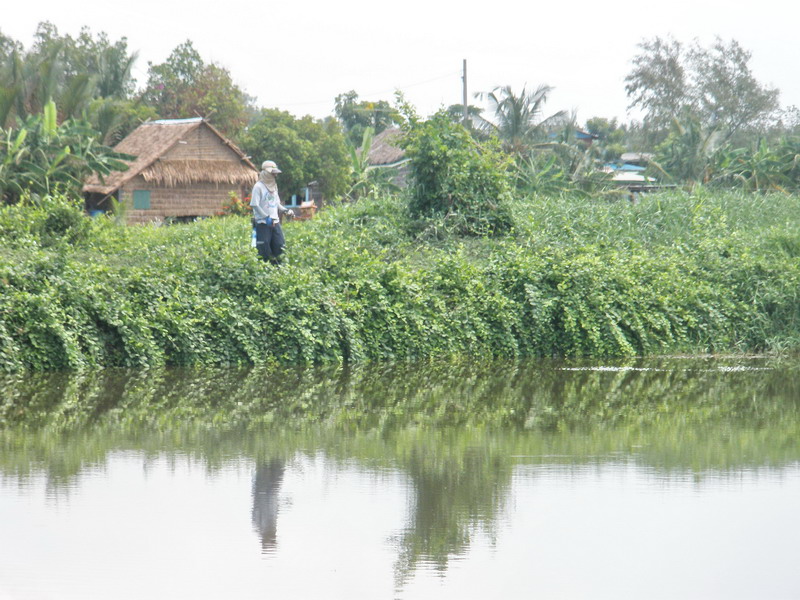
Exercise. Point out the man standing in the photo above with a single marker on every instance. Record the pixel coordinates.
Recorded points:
(267, 207)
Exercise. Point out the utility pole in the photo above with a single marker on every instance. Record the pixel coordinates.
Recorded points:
(466, 111)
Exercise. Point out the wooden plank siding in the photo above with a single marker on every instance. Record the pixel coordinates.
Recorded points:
(201, 199)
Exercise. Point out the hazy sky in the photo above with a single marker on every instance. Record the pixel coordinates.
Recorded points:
(297, 55)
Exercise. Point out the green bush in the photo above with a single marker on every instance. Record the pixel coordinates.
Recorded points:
(456, 181)
(65, 222)
(577, 277)
(46, 221)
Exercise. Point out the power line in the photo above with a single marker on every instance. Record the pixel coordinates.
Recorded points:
(439, 78)
(385, 91)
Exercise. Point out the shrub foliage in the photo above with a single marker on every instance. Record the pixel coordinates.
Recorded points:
(457, 180)
(674, 273)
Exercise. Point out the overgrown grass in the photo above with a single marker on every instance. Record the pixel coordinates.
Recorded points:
(577, 277)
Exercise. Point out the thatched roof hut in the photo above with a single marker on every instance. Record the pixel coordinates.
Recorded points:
(384, 151)
(183, 168)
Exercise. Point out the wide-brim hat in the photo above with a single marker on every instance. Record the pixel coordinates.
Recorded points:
(270, 167)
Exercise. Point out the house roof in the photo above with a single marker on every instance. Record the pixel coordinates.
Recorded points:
(608, 168)
(585, 135)
(384, 150)
(636, 157)
(629, 177)
(152, 140)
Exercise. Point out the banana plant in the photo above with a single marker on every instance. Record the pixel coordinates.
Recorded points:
(13, 151)
(49, 122)
(761, 169)
(44, 156)
(367, 178)
(689, 153)
(8, 99)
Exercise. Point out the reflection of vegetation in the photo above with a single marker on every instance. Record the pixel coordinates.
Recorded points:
(458, 430)
(459, 489)
(543, 396)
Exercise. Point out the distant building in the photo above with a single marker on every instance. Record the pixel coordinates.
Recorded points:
(629, 173)
(636, 158)
(184, 168)
(585, 136)
(385, 153)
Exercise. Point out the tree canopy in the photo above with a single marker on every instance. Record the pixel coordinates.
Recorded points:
(712, 84)
(305, 149)
(356, 116)
(70, 71)
(185, 86)
(517, 119)
(706, 118)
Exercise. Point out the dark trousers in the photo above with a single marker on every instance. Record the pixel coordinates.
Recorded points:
(269, 242)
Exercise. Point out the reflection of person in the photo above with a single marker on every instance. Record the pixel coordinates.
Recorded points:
(266, 486)
(267, 207)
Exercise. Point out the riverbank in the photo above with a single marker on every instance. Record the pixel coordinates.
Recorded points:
(702, 273)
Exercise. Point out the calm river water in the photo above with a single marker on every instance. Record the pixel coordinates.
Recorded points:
(669, 478)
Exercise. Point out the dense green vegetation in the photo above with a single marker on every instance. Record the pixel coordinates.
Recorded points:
(457, 183)
(307, 150)
(89, 79)
(677, 272)
(707, 120)
(42, 157)
(358, 116)
(508, 241)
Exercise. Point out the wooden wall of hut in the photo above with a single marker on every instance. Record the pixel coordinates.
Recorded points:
(199, 199)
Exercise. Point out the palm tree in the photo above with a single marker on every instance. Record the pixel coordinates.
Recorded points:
(29, 83)
(517, 119)
(114, 78)
(689, 152)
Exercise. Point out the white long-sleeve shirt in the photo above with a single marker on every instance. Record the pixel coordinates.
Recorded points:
(266, 204)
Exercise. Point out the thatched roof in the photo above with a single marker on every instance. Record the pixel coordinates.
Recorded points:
(384, 151)
(171, 173)
(152, 140)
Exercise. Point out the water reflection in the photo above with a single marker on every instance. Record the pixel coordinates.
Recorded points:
(460, 434)
(266, 489)
(456, 496)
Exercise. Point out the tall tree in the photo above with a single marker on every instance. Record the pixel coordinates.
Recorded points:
(658, 83)
(357, 115)
(170, 84)
(108, 63)
(714, 85)
(517, 119)
(305, 149)
(7, 47)
(185, 86)
(611, 137)
(725, 92)
(70, 71)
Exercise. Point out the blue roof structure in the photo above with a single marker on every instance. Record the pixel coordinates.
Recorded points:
(624, 167)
